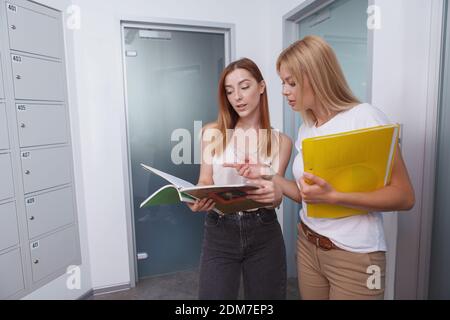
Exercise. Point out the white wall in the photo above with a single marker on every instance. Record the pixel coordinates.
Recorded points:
(57, 289)
(97, 109)
(101, 107)
(388, 94)
(400, 87)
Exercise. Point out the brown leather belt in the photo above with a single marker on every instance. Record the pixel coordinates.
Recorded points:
(318, 240)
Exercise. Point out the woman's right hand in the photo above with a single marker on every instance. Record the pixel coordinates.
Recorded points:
(251, 171)
(205, 204)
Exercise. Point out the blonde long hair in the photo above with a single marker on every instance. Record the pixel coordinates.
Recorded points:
(314, 58)
(228, 118)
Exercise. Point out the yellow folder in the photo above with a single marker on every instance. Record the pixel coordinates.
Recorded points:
(354, 161)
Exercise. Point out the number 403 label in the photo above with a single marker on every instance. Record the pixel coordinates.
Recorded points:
(12, 8)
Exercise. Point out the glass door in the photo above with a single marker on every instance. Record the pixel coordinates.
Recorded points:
(440, 250)
(343, 24)
(172, 79)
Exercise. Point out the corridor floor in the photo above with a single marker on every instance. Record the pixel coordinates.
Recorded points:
(176, 286)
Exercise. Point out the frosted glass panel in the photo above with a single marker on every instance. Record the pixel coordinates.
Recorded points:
(171, 82)
(343, 25)
(440, 253)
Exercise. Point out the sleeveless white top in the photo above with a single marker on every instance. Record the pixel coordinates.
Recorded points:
(224, 176)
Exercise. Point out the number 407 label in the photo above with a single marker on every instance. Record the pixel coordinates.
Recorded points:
(26, 155)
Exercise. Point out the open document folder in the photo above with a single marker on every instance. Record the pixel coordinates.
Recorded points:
(354, 161)
(228, 198)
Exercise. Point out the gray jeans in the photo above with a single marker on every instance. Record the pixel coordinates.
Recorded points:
(248, 244)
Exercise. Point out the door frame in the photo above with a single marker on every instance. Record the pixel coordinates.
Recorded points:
(228, 30)
(290, 34)
(439, 16)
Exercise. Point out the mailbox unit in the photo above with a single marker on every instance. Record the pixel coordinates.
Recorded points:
(39, 235)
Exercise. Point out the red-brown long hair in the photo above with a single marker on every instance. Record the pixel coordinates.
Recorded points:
(228, 118)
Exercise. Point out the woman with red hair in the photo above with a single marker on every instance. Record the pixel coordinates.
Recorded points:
(246, 244)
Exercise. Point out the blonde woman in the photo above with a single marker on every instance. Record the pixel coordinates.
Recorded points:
(335, 256)
(244, 244)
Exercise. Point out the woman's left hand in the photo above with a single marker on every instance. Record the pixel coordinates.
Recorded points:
(268, 192)
(316, 190)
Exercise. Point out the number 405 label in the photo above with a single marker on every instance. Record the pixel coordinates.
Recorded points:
(34, 245)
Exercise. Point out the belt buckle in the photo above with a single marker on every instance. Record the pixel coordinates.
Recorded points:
(317, 239)
(326, 248)
(318, 242)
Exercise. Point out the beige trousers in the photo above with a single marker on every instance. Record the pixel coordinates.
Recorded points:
(339, 274)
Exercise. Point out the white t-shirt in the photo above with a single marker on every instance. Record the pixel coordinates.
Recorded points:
(362, 233)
